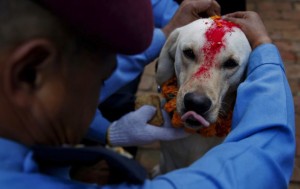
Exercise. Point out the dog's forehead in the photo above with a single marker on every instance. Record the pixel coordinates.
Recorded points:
(214, 40)
(195, 32)
(207, 30)
(193, 35)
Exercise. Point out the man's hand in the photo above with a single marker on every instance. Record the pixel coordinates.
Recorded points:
(191, 10)
(132, 129)
(252, 26)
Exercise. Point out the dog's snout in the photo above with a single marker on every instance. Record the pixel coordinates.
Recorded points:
(197, 102)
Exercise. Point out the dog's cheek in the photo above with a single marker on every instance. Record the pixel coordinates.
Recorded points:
(177, 67)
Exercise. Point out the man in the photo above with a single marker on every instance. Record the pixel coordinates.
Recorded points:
(53, 59)
(44, 101)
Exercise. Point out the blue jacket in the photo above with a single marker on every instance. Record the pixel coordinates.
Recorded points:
(130, 67)
(258, 152)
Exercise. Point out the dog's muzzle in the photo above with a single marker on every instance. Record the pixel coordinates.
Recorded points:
(196, 107)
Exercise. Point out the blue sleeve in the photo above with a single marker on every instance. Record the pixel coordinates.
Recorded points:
(259, 151)
(130, 67)
(98, 128)
(163, 11)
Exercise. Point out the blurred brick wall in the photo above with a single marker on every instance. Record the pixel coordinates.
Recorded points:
(282, 19)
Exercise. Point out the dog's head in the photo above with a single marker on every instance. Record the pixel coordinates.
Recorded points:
(209, 59)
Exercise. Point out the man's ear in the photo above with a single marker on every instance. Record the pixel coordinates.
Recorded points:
(24, 67)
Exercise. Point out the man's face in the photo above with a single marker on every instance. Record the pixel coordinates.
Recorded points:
(71, 99)
(85, 81)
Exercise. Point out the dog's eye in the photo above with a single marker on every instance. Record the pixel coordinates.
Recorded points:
(189, 54)
(230, 64)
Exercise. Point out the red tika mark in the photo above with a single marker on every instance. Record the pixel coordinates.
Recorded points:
(214, 37)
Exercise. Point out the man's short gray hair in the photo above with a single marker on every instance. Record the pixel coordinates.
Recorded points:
(22, 20)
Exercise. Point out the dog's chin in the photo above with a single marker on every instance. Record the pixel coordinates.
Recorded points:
(192, 125)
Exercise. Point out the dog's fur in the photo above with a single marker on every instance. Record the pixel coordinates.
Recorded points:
(210, 94)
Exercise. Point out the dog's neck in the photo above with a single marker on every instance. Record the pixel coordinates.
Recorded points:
(229, 101)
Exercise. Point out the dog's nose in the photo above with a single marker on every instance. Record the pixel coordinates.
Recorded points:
(197, 103)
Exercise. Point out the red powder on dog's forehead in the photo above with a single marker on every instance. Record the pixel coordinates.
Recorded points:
(214, 43)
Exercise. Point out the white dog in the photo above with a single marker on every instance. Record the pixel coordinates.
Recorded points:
(209, 58)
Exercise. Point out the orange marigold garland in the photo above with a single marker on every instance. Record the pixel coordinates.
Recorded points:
(169, 91)
(176, 120)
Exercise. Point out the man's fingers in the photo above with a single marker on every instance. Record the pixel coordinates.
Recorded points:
(233, 19)
(167, 119)
(215, 9)
(197, 7)
(237, 20)
(201, 6)
(239, 14)
(166, 133)
(146, 112)
(210, 8)
(174, 133)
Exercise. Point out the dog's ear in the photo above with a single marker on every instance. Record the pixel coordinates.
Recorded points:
(165, 68)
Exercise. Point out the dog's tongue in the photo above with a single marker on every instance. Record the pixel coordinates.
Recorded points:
(195, 116)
